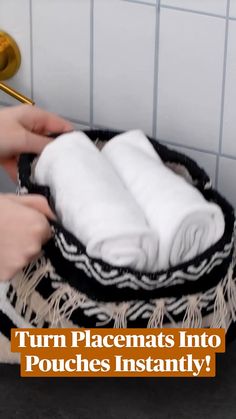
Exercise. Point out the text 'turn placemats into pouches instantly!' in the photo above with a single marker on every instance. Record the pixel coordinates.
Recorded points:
(66, 287)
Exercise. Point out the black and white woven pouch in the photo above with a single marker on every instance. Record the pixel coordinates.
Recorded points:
(67, 288)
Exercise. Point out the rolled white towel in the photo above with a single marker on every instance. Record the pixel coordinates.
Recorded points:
(93, 204)
(185, 222)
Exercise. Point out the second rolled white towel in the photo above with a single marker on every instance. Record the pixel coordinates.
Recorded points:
(93, 204)
(185, 222)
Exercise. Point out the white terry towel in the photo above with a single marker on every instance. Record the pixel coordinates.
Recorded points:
(185, 222)
(93, 204)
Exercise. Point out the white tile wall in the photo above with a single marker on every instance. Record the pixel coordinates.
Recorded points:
(61, 56)
(124, 40)
(131, 63)
(227, 176)
(190, 78)
(229, 127)
(232, 11)
(208, 6)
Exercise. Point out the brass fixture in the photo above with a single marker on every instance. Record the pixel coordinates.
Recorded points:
(10, 57)
(10, 60)
(18, 96)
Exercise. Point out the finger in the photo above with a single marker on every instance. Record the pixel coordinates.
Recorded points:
(46, 232)
(34, 143)
(37, 202)
(41, 121)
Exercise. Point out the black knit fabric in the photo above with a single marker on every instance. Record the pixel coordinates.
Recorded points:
(96, 294)
(110, 290)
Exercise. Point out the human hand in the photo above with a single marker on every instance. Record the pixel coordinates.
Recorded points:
(24, 129)
(24, 228)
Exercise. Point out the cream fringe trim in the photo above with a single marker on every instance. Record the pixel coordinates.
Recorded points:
(65, 299)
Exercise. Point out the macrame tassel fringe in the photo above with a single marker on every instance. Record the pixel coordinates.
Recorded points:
(230, 285)
(60, 305)
(157, 317)
(27, 280)
(231, 293)
(193, 315)
(65, 300)
(220, 309)
(119, 315)
(116, 312)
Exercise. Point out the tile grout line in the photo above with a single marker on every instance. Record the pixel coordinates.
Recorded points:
(183, 9)
(189, 147)
(142, 2)
(99, 126)
(165, 142)
(197, 12)
(76, 121)
(209, 152)
(91, 61)
(223, 94)
(178, 8)
(156, 67)
(31, 49)
(155, 99)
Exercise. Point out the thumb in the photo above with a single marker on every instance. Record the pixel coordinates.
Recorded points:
(37, 202)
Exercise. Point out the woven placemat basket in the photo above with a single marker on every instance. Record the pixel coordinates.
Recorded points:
(64, 287)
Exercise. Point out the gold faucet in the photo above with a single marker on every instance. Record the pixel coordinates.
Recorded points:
(10, 60)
